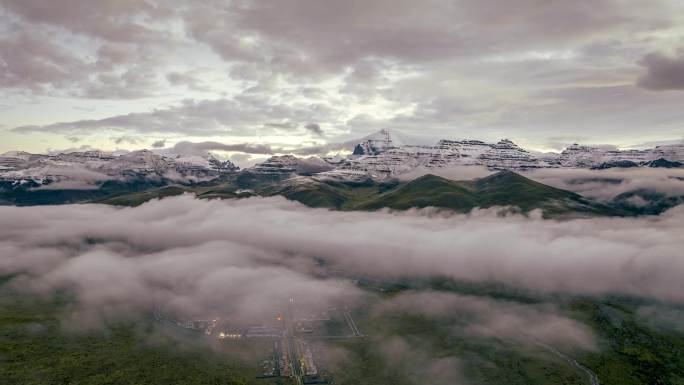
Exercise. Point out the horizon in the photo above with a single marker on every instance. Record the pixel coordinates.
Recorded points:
(337, 148)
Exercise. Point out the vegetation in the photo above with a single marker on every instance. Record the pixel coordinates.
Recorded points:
(633, 349)
(428, 190)
(32, 195)
(504, 188)
(37, 349)
(138, 198)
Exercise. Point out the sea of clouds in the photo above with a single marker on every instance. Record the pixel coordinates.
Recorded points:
(247, 257)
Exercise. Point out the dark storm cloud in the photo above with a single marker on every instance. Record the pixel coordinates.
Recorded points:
(314, 128)
(663, 73)
(203, 147)
(159, 143)
(190, 79)
(126, 139)
(287, 126)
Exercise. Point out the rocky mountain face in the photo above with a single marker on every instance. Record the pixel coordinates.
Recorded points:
(379, 155)
(92, 167)
(289, 164)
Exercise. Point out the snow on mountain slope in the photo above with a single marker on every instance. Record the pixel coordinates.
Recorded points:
(381, 155)
(91, 167)
(377, 156)
(376, 143)
(669, 152)
(288, 164)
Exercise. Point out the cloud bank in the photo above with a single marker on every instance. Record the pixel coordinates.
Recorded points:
(469, 316)
(605, 185)
(185, 251)
(243, 259)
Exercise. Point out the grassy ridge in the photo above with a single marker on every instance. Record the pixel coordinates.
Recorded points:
(428, 190)
(33, 196)
(504, 188)
(138, 198)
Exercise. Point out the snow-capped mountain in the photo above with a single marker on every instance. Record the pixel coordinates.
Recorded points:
(377, 156)
(380, 155)
(376, 143)
(91, 167)
(289, 164)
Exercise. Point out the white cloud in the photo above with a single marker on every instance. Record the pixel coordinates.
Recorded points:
(184, 248)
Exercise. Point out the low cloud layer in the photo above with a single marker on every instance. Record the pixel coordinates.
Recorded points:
(605, 185)
(195, 254)
(242, 260)
(453, 173)
(469, 316)
(202, 148)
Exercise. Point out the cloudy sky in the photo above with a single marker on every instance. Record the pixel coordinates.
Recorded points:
(130, 74)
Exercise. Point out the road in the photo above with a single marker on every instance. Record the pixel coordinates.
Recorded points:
(352, 325)
(291, 345)
(593, 378)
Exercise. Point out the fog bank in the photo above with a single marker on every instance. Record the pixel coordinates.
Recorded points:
(247, 257)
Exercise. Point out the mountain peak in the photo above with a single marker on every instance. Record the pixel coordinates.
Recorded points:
(376, 143)
(507, 143)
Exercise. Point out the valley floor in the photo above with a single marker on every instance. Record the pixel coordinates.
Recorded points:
(39, 344)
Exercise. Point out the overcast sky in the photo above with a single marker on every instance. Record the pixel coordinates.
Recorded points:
(130, 74)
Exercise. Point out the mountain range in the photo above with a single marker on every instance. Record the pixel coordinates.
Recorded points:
(365, 179)
(380, 154)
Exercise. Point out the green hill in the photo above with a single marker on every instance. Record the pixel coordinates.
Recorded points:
(36, 195)
(309, 192)
(504, 188)
(138, 198)
(507, 188)
(329, 194)
(428, 190)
